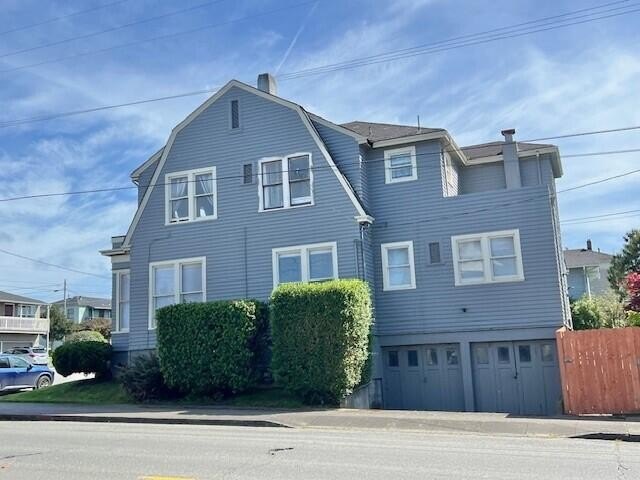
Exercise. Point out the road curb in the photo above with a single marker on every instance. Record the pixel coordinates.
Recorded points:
(143, 420)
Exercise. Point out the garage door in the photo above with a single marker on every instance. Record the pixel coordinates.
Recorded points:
(516, 377)
(425, 377)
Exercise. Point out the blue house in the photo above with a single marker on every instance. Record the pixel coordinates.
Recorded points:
(461, 245)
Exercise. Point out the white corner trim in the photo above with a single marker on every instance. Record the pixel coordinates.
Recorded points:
(303, 251)
(193, 115)
(177, 281)
(484, 238)
(388, 154)
(386, 284)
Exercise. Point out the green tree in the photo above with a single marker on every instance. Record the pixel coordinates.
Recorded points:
(603, 311)
(625, 262)
(60, 326)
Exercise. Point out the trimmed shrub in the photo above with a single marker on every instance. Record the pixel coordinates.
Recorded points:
(214, 348)
(85, 336)
(320, 337)
(602, 311)
(100, 325)
(83, 357)
(143, 380)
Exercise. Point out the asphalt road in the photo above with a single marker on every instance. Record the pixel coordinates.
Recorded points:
(100, 451)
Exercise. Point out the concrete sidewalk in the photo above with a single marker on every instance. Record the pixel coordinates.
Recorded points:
(385, 420)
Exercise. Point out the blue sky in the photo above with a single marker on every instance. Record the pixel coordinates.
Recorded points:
(580, 78)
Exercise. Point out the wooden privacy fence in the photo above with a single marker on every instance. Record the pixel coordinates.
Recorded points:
(600, 370)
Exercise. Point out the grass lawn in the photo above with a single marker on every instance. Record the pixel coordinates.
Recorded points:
(82, 391)
(96, 392)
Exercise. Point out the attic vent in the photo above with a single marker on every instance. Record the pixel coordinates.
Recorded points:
(235, 114)
(247, 173)
(434, 253)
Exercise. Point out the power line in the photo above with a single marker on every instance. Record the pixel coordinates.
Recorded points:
(55, 19)
(601, 220)
(255, 175)
(153, 39)
(112, 29)
(600, 216)
(436, 47)
(35, 260)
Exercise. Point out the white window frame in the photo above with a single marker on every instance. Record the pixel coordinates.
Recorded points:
(386, 284)
(116, 315)
(411, 150)
(484, 239)
(286, 194)
(191, 195)
(177, 282)
(304, 251)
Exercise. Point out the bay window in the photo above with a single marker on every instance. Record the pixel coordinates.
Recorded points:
(305, 263)
(487, 257)
(176, 281)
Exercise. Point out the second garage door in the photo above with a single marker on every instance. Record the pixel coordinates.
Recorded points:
(425, 377)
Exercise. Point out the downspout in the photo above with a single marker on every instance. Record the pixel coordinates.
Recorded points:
(363, 260)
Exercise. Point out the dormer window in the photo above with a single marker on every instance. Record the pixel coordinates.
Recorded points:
(234, 114)
(191, 196)
(400, 165)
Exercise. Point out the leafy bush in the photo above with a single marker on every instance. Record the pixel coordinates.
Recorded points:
(632, 283)
(143, 380)
(83, 357)
(603, 311)
(633, 319)
(212, 348)
(320, 338)
(100, 325)
(86, 336)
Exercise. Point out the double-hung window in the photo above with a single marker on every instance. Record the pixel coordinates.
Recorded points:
(285, 182)
(123, 281)
(191, 195)
(176, 281)
(487, 257)
(305, 263)
(400, 165)
(398, 271)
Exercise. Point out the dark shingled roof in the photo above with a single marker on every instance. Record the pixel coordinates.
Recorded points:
(93, 302)
(11, 298)
(495, 148)
(376, 132)
(582, 257)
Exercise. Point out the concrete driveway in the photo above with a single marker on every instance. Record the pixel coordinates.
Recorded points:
(59, 379)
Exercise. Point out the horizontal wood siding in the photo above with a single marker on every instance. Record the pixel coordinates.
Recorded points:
(238, 244)
(482, 178)
(418, 211)
(145, 179)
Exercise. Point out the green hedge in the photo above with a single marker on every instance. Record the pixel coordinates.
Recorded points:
(212, 348)
(320, 337)
(83, 357)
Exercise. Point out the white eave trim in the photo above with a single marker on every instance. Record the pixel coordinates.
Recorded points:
(556, 164)
(135, 175)
(410, 139)
(112, 252)
(193, 115)
(359, 138)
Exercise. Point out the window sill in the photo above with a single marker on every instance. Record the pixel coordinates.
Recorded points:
(280, 209)
(489, 282)
(401, 180)
(187, 222)
(393, 289)
(119, 332)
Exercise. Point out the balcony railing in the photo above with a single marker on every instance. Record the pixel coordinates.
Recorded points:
(23, 325)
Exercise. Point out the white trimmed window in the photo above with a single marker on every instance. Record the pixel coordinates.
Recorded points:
(123, 288)
(487, 257)
(191, 196)
(398, 270)
(400, 165)
(176, 281)
(285, 182)
(305, 263)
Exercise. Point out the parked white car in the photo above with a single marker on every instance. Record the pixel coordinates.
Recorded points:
(34, 355)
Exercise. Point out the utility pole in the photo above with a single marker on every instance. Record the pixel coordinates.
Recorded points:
(65, 297)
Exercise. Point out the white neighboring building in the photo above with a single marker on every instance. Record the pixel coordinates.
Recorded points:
(587, 271)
